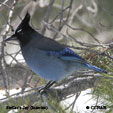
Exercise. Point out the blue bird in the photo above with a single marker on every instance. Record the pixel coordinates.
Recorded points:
(46, 57)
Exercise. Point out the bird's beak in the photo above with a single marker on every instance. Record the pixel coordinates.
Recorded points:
(13, 37)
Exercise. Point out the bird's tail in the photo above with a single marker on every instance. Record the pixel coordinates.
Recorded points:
(96, 68)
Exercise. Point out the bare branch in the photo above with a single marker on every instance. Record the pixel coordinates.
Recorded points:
(81, 29)
(62, 91)
(2, 60)
(47, 15)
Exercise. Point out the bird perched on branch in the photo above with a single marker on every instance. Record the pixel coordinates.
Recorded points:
(46, 57)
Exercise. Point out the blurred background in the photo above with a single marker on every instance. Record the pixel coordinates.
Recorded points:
(84, 25)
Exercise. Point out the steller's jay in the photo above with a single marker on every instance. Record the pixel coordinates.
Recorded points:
(46, 57)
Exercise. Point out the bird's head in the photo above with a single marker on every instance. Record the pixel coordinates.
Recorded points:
(22, 32)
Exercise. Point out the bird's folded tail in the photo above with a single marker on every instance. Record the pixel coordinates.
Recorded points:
(96, 68)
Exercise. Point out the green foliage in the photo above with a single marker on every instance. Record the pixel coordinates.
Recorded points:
(51, 103)
(104, 90)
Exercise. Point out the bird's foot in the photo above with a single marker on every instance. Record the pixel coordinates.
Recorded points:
(44, 89)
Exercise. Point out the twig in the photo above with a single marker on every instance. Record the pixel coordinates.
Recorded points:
(76, 85)
(74, 13)
(25, 81)
(83, 43)
(13, 58)
(93, 51)
(3, 3)
(51, 27)
(76, 97)
(94, 9)
(64, 22)
(86, 32)
(47, 14)
(3, 64)
(59, 14)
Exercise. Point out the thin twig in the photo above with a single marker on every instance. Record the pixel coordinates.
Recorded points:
(92, 51)
(3, 64)
(25, 81)
(64, 22)
(3, 3)
(46, 19)
(81, 29)
(76, 97)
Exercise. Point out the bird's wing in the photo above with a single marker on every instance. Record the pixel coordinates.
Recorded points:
(61, 51)
(67, 54)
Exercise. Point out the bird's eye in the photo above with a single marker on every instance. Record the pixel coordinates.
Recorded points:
(20, 30)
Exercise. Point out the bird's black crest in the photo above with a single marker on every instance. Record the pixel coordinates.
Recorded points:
(24, 23)
(26, 19)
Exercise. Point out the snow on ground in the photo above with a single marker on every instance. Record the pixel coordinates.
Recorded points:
(84, 99)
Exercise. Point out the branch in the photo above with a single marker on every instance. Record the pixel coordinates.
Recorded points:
(47, 15)
(67, 87)
(2, 60)
(81, 29)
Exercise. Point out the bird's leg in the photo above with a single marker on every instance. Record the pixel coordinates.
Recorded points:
(49, 84)
(46, 87)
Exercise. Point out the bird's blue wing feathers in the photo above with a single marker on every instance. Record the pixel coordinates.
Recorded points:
(67, 54)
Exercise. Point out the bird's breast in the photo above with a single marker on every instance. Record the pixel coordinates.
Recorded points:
(45, 65)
